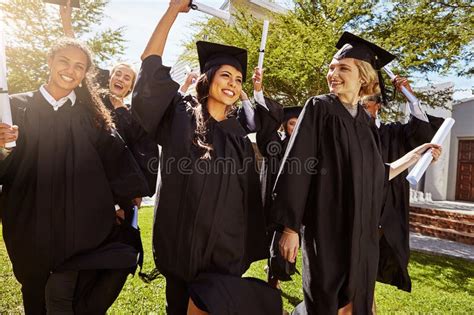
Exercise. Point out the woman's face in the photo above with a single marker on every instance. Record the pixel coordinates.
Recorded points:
(226, 85)
(121, 81)
(68, 68)
(343, 77)
(290, 125)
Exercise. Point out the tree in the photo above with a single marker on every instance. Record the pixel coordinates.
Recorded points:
(33, 27)
(425, 35)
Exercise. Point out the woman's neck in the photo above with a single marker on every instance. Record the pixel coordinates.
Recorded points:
(56, 92)
(216, 110)
(349, 100)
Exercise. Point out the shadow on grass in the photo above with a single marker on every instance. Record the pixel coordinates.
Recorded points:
(451, 275)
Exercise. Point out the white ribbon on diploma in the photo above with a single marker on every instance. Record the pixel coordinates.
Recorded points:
(263, 44)
(422, 165)
(5, 110)
(195, 5)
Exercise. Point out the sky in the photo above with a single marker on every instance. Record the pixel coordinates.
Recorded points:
(139, 17)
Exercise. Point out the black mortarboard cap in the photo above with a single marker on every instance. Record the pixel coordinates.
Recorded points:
(292, 112)
(352, 46)
(212, 54)
(74, 3)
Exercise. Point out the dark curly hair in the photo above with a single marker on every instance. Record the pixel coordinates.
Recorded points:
(88, 91)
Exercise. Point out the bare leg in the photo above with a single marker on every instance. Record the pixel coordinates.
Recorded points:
(194, 310)
(346, 310)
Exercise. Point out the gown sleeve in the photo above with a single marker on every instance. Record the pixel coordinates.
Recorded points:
(293, 183)
(418, 131)
(154, 97)
(270, 119)
(124, 175)
(140, 143)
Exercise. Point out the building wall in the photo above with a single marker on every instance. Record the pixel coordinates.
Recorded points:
(463, 113)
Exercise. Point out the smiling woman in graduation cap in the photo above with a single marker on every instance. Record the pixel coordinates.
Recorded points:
(209, 224)
(337, 196)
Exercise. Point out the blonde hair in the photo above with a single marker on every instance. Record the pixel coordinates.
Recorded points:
(127, 65)
(369, 78)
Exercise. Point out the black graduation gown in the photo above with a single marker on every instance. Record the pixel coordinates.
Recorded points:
(271, 146)
(209, 215)
(142, 146)
(332, 182)
(398, 139)
(60, 185)
(230, 295)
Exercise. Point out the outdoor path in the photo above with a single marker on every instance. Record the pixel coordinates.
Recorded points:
(433, 245)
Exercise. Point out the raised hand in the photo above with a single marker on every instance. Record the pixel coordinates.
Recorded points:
(66, 18)
(180, 5)
(257, 79)
(399, 81)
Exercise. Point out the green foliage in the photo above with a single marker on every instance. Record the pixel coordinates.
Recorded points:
(33, 27)
(441, 285)
(426, 36)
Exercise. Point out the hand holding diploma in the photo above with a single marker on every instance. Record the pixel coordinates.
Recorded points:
(433, 151)
(8, 134)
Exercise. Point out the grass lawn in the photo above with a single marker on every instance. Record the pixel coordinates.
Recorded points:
(440, 286)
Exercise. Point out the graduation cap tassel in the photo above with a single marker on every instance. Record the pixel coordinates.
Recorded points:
(382, 88)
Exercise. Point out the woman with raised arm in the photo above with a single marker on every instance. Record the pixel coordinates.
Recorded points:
(337, 192)
(209, 224)
(61, 182)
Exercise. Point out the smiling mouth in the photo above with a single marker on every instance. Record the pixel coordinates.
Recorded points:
(228, 92)
(67, 78)
(118, 86)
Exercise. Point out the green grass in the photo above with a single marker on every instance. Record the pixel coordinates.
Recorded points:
(440, 286)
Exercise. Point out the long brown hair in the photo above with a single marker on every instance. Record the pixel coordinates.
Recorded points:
(88, 91)
(201, 112)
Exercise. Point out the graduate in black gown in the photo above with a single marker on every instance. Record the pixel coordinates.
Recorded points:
(332, 182)
(209, 223)
(61, 182)
(98, 289)
(396, 140)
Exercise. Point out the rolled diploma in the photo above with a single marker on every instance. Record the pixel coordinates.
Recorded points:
(211, 11)
(5, 110)
(411, 98)
(422, 165)
(135, 218)
(263, 44)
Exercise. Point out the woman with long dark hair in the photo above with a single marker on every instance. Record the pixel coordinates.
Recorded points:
(209, 222)
(61, 182)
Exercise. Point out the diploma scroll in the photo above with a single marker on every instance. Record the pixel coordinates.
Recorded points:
(422, 165)
(5, 110)
(195, 5)
(263, 44)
